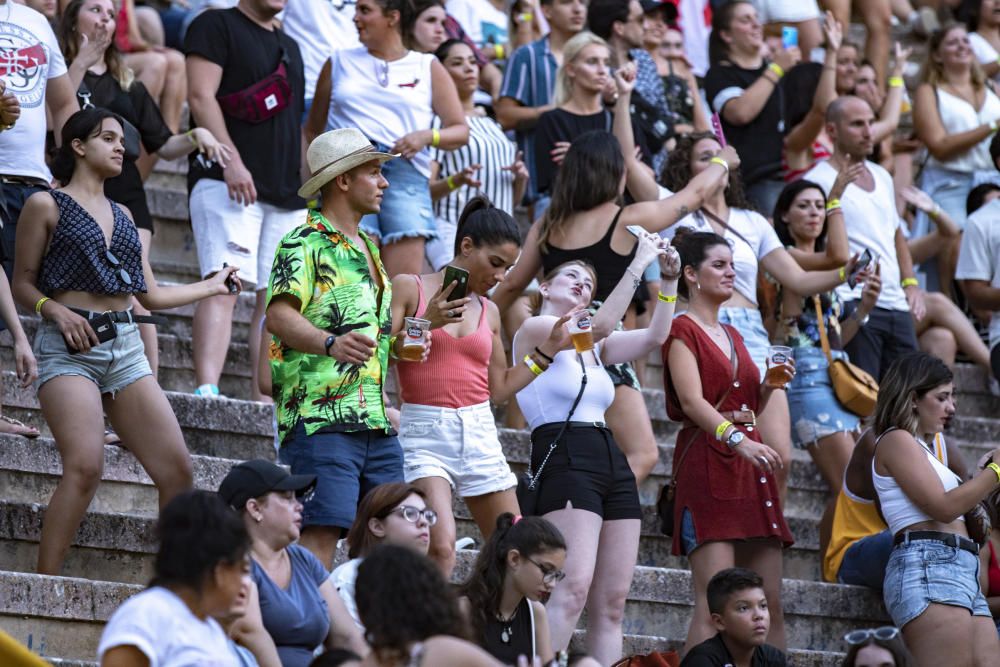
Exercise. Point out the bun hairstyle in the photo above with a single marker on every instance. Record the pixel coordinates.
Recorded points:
(82, 125)
(693, 248)
(529, 535)
(485, 224)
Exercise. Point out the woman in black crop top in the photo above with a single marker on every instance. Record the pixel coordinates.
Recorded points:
(587, 221)
(78, 263)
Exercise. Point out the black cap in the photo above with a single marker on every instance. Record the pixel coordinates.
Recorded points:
(668, 8)
(252, 479)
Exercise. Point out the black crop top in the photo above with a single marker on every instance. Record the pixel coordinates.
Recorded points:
(78, 258)
(610, 266)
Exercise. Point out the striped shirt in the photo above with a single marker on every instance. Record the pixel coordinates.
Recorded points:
(530, 79)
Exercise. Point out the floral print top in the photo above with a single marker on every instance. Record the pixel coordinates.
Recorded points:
(802, 331)
(329, 277)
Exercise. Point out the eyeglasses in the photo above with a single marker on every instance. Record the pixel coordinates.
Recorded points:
(549, 575)
(122, 273)
(885, 633)
(413, 514)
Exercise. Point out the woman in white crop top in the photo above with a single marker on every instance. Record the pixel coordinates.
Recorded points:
(931, 581)
(586, 487)
(391, 94)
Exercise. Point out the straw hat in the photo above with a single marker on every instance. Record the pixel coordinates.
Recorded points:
(335, 152)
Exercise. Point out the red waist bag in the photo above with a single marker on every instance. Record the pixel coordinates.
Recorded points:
(262, 100)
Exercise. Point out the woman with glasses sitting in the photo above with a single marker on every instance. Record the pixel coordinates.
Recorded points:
(876, 647)
(299, 605)
(393, 513)
(504, 597)
(78, 262)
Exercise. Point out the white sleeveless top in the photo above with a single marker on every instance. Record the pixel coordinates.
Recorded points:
(384, 113)
(957, 116)
(898, 510)
(549, 397)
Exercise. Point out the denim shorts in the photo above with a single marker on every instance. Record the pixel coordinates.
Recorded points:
(922, 572)
(460, 445)
(748, 322)
(112, 365)
(865, 561)
(347, 466)
(814, 408)
(689, 540)
(406, 211)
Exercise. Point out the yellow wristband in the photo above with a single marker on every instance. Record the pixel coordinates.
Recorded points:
(532, 366)
(190, 135)
(719, 161)
(499, 51)
(995, 468)
(392, 346)
(777, 69)
(526, 17)
(667, 298)
(452, 185)
(720, 430)
(842, 273)
(40, 303)
(833, 203)
(896, 82)
(435, 137)
(993, 126)
(909, 282)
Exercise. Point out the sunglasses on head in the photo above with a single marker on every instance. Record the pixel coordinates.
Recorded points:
(885, 633)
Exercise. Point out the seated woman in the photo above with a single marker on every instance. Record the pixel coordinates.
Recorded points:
(300, 607)
(931, 587)
(411, 615)
(504, 596)
(201, 569)
(78, 264)
(876, 647)
(394, 513)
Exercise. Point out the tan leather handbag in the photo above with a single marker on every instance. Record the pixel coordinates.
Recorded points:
(855, 389)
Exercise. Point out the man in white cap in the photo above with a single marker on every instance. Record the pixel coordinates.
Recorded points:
(328, 308)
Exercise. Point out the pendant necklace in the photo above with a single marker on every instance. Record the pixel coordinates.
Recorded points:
(381, 72)
(507, 629)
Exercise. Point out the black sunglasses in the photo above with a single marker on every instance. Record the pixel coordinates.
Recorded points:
(122, 273)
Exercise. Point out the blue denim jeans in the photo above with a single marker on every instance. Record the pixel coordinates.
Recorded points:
(864, 561)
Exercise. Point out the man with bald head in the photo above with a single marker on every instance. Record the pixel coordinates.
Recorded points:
(872, 224)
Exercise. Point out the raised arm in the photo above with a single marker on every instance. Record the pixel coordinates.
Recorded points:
(945, 230)
(802, 136)
(527, 267)
(640, 180)
(940, 143)
(837, 251)
(892, 108)
(542, 337)
(779, 263)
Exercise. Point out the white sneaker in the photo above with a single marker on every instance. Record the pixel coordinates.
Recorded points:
(994, 387)
(465, 543)
(207, 391)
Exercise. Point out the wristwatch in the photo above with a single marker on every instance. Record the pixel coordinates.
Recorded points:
(735, 439)
(330, 340)
(862, 321)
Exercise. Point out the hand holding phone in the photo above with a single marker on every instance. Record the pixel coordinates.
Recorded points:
(230, 282)
(454, 274)
(789, 36)
(863, 262)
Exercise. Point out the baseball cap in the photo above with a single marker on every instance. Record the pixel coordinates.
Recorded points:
(252, 479)
(668, 8)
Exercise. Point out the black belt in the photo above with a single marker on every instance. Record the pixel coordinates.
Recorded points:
(24, 180)
(120, 316)
(951, 539)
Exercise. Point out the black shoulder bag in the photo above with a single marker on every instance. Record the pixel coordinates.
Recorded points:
(528, 483)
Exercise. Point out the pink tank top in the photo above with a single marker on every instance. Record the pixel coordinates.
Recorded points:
(456, 374)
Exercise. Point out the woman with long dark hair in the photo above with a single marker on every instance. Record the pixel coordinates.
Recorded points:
(504, 596)
(79, 264)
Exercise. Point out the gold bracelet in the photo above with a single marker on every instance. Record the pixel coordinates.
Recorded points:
(719, 161)
(452, 185)
(40, 303)
(995, 468)
(435, 137)
(720, 430)
(842, 273)
(909, 282)
(896, 82)
(532, 365)
(777, 69)
(667, 298)
(832, 204)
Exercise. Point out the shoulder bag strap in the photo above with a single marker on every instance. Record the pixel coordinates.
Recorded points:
(534, 477)
(734, 363)
(726, 225)
(823, 340)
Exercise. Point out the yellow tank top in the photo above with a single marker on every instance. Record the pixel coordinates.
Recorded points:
(855, 518)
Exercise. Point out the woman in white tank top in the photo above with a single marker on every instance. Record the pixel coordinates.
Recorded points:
(931, 581)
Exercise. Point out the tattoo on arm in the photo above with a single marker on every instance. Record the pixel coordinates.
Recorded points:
(682, 211)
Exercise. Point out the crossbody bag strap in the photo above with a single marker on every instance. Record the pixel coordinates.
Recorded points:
(823, 340)
(726, 225)
(734, 364)
(534, 477)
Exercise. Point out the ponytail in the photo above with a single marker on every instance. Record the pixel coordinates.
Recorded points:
(485, 224)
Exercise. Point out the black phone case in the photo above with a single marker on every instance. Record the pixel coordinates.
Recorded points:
(104, 327)
(463, 283)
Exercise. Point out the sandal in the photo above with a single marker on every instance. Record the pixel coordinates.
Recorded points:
(26, 431)
(111, 438)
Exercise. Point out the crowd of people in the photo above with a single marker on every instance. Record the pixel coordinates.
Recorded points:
(447, 207)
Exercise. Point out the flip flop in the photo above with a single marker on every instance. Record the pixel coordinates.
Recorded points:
(29, 432)
(111, 438)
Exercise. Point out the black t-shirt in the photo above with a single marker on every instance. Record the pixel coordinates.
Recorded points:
(137, 107)
(247, 53)
(713, 653)
(760, 141)
(561, 125)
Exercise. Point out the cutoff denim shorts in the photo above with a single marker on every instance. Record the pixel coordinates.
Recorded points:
(748, 322)
(112, 365)
(814, 409)
(406, 211)
(922, 572)
(460, 445)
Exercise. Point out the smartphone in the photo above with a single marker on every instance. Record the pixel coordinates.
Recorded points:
(230, 283)
(635, 230)
(863, 262)
(103, 326)
(460, 276)
(717, 129)
(789, 36)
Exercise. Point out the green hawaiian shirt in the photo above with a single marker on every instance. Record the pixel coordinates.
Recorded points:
(329, 277)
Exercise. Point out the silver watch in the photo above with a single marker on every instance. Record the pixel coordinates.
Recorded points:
(735, 439)
(862, 321)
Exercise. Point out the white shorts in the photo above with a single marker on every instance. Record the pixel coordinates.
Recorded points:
(786, 11)
(461, 445)
(243, 236)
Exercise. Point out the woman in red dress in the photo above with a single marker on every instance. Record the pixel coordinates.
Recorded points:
(727, 511)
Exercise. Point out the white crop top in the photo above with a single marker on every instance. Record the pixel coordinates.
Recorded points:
(898, 510)
(549, 397)
(958, 116)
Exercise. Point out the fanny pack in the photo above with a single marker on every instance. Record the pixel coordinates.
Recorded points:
(262, 100)
(133, 145)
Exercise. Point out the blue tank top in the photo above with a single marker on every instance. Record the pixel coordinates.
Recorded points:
(78, 258)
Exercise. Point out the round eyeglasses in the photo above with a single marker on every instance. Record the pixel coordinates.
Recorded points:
(885, 633)
(413, 514)
(549, 575)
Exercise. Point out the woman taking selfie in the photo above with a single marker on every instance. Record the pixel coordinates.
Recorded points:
(79, 264)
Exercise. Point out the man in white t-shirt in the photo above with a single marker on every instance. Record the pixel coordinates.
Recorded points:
(872, 224)
(978, 268)
(319, 27)
(33, 69)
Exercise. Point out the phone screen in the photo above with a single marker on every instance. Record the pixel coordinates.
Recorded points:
(789, 36)
(461, 276)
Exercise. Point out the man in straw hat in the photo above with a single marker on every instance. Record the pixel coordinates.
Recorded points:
(328, 308)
